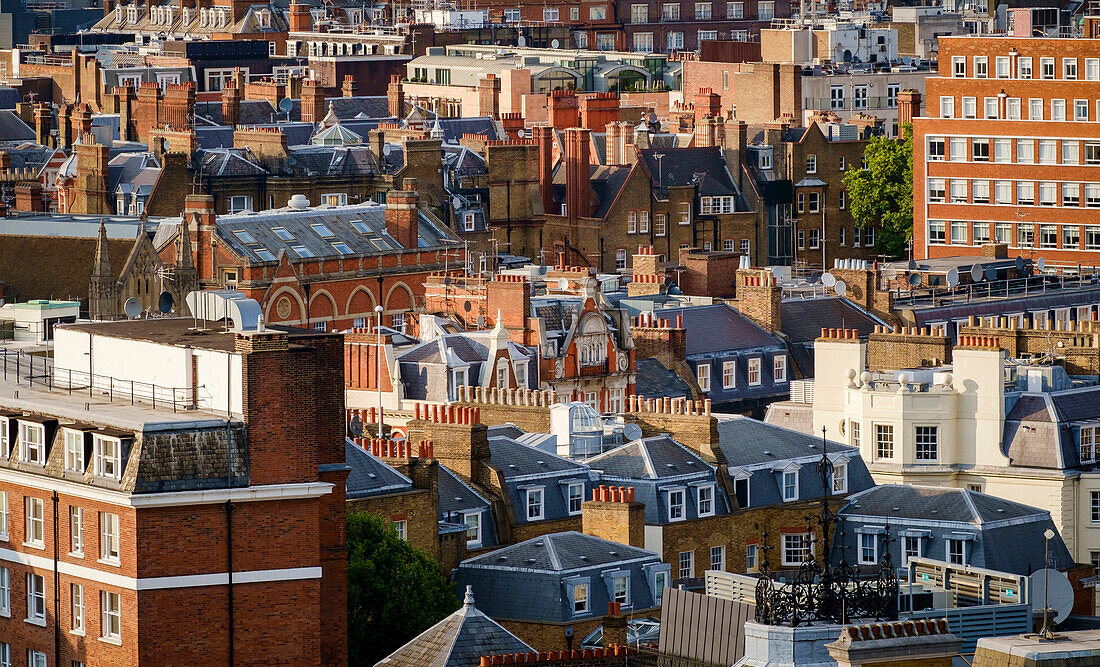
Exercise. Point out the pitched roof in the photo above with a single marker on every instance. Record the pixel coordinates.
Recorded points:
(370, 476)
(804, 318)
(457, 641)
(718, 328)
(650, 458)
(685, 166)
(937, 503)
(656, 380)
(558, 552)
(745, 442)
(514, 459)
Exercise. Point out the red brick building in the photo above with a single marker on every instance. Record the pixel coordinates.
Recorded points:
(324, 268)
(133, 534)
(1006, 149)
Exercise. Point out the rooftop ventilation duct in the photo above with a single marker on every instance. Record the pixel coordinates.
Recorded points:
(217, 305)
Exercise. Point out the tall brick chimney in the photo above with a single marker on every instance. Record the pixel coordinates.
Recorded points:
(707, 103)
(64, 126)
(42, 124)
(28, 197)
(544, 137)
(511, 297)
(91, 177)
(736, 142)
(198, 214)
(402, 215)
(81, 119)
(349, 88)
(179, 105)
(562, 109)
(488, 96)
(313, 101)
(759, 298)
(147, 115)
(299, 18)
(599, 109)
(395, 93)
(614, 515)
(231, 104)
(578, 173)
(613, 132)
(661, 339)
(909, 102)
(124, 100)
(461, 441)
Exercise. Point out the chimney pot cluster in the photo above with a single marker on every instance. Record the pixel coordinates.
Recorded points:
(613, 494)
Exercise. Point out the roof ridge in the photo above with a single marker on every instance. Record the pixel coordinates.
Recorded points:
(551, 551)
(973, 508)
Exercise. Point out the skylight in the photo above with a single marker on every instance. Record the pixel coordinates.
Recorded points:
(342, 248)
(322, 231)
(302, 251)
(244, 236)
(360, 226)
(264, 254)
(282, 233)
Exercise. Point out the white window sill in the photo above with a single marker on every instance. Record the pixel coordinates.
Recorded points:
(79, 633)
(4, 537)
(35, 621)
(5, 613)
(703, 516)
(76, 554)
(32, 545)
(117, 641)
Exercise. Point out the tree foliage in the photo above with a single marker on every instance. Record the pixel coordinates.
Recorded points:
(882, 193)
(395, 591)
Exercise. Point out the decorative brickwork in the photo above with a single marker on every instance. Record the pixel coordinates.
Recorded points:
(907, 347)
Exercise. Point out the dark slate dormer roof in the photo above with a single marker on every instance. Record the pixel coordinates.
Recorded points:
(345, 108)
(607, 183)
(804, 318)
(252, 112)
(455, 495)
(720, 328)
(1036, 433)
(656, 380)
(514, 459)
(12, 127)
(127, 167)
(1077, 404)
(650, 458)
(558, 552)
(231, 162)
(370, 476)
(30, 156)
(686, 166)
(460, 640)
(936, 503)
(747, 442)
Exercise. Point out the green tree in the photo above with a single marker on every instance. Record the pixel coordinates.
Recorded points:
(882, 193)
(395, 591)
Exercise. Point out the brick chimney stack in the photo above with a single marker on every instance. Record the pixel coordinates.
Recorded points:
(179, 105)
(313, 101)
(124, 100)
(707, 104)
(909, 102)
(349, 87)
(578, 173)
(299, 18)
(614, 144)
(64, 126)
(28, 197)
(231, 104)
(759, 298)
(599, 109)
(460, 440)
(511, 297)
(81, 119)
(736, 143)
(562, 109)
(91, 177)
(402, 215)
(42, 124)
(198, 213)
(614, 515)
(396, 96)
(488, 96)
(544, 137)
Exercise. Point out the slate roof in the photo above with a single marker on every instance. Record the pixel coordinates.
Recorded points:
(457, 641)
(252, 112)
(803, 319)
(131, 169)
(719, 328)
(1036, 434)
(685, 166)
(650, 458)
(937, 503)
(367, 106)
(455, 495)
(30, 156)
(1077, 404)
(654, 379)
(558, 552)
(370, 476)
(514, 459)
(745, 442)
(12, 127)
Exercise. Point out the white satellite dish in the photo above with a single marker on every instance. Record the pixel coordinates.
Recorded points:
(132, 307)
(480, 321)
(456, 201)
(1059, 593)
(977, 272)
(386, 149)
(841, 288)
(952, 278)
(522, 133)
(632, 432)
(563, 283)
(828, 279)
(1041, 263)
(554, 43)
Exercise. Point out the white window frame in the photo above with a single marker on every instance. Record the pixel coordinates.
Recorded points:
(77, 620)
(729, 374)
(34, 510)
(32, 450)
(788, 480)
(685, 562)
(5, 592)
(921, 434)
(906, 552)
(788, 547)
(76, 531)
(535, 499)
(754, 372)
(569, 489)
(718, 558)
(475, 540)
(948, 543)
(74, 450)
(5, 517)
(36, 599)
(840, 476)
(702, 376)
(862, 548)
(779, 368)
(677, 505)
(705, 498)
(581, 603)
(110, 540)
(108, 464)
(110, 604)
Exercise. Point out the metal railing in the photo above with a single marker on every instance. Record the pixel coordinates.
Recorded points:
(997, 289)
(40, 373)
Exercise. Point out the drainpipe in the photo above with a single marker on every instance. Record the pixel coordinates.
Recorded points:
(229, 559)
(56, 590)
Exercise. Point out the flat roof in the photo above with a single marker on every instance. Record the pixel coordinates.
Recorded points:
(179, 331)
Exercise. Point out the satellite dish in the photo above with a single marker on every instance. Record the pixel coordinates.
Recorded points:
(386, 149)
(914, 279)
(952, 278)
(1059, 592)
(522, 41)
(456, 201)
(467, 306)
(286, 105)
(522, 133)
(1041, 263)
(563, 284)
(632, 432)
(554, 44)
(167, 145)
(355, 426)
(912, 265)
(828, 279)
(976, 272)
(165, 303)
(1020, 263)
(990, 273)
(480, 321)
(132, 307)
(841, 288)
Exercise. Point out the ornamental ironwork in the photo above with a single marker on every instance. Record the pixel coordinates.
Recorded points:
(827, 592)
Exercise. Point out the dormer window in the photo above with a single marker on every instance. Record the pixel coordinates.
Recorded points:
(32, 443)
(74, 451)
(676, 505)
(118, 14)
(107, 452)
(790, 485)
(534, 504)
(131, 14)
(706, 500)
(5, 437)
